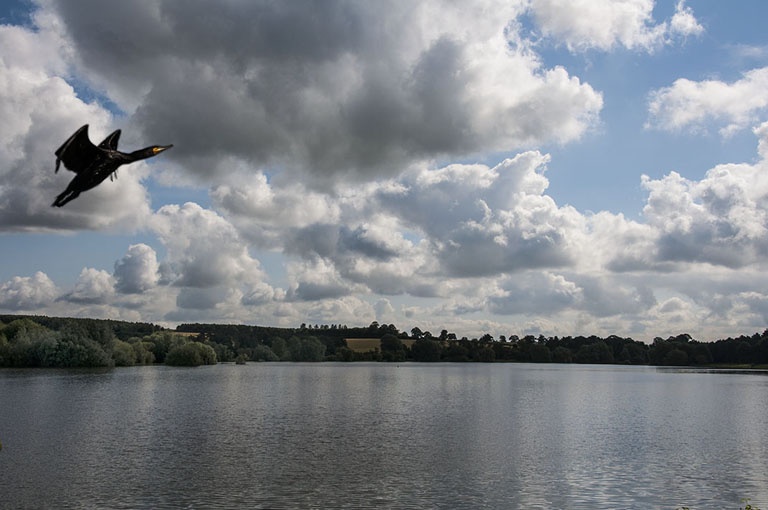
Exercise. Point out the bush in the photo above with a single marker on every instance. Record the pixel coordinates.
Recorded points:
(123, 354)
(81, 352)
(191, 354)
(143, 352)
(426, 350)
(306, 349)
(263, 353)
(160, 343)
(30, 345)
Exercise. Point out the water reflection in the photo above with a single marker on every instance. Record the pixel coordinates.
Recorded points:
(377, 435)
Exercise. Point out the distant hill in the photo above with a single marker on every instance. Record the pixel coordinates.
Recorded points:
(123, 330)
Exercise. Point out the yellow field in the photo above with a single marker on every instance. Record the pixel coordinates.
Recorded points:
(369, 344)
(184, 333)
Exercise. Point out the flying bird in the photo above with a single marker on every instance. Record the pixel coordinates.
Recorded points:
(93, 164)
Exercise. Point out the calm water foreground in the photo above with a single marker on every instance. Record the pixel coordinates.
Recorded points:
(383, 436)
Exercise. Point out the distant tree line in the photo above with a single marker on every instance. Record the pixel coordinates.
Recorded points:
(260, 343)
(681, 350)
(31, 342)
(38, 341)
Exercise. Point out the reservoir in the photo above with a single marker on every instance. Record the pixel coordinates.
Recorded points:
(359, 435)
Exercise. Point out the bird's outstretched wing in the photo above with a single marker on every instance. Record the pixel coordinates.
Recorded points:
(78, 151)
(110, 142)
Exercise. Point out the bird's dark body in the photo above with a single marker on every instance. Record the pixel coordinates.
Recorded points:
(94, 164)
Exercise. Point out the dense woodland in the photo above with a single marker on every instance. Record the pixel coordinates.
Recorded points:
(39, 341)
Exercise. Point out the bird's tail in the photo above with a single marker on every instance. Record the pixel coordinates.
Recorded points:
(64, 197)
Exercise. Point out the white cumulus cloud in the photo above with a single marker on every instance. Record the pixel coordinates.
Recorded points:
(93, 286)
(587, 24)
(208, 260)
(691, 104)
(721, 219)
(28, 293)
(138, 270)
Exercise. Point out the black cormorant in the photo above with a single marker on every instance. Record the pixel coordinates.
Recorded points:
(94, 164)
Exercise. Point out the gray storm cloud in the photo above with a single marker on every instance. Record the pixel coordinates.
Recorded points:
(334, 88)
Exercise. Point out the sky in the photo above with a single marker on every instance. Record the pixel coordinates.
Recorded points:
(555, 167)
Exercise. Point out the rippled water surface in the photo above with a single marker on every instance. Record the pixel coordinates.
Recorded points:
(383, 436)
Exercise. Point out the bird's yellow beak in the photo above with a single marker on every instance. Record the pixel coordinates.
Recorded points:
(158, 149)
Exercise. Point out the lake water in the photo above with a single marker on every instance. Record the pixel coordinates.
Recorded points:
(283, 435)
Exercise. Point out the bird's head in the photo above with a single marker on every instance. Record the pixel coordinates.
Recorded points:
(157, 149)
(152, 150)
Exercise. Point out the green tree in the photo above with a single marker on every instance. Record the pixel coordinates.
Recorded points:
(457, 351)
(392, 348)
(191, 354)
(634, 353)
(484, 353)
(562, 355)
(36, 347)
(161, 342)
(142, 352)
(306, 349)
(29, 344)
(263, 353)
(700, 354)
(345, 354)
(99, 332)
(223, 352)
(597, 352)
(5, 347)
(14, 327)
(676, 357)
(123, 354)
(426, 350)
(540, 353)
(77, 351)
(280, 348)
